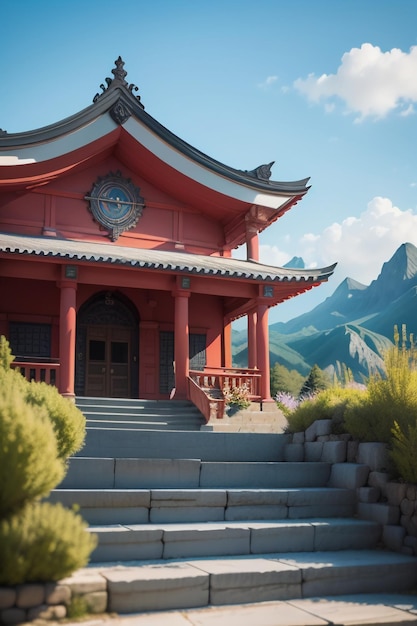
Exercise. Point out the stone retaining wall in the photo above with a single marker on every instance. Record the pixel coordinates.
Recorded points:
(53, 601)
(363, 467)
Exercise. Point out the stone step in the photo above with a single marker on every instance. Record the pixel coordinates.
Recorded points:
(143, 506)
(147, 423)
(167, 541)
(134, 473)
(197, 582)
(207, 446)
(87, 401)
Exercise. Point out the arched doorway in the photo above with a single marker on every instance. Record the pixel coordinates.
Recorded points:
(107, 347)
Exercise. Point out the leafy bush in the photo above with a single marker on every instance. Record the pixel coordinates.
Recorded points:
(66, 418)
(403, 454)
(38, 430)
(6, 357)
(41, 543)
(29, 465)
(332, 403)
(390, 399)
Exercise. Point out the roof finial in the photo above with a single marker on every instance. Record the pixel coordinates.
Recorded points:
(118, 72)
(118, 81)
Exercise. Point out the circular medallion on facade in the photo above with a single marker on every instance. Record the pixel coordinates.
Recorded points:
(116, 204)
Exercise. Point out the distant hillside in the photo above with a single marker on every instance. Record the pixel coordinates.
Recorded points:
(353, 326)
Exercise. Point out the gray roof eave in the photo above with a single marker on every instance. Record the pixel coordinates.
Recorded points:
(106, 102)
(173, 262)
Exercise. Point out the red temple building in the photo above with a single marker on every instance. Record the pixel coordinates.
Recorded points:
(116, 265)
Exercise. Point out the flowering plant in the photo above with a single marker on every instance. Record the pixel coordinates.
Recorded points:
(237, 397)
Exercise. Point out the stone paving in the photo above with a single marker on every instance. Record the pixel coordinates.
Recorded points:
(356, 610)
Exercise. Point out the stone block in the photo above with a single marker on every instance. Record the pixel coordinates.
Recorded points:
(375, 455)
(345, 534)
(334, 452)
(323, 438)
(298, 437)
(205, 540)
(352, 451)
(407, 507)
(126, 543)
(368, 494)
(243, 580)
(349, 475)
(57, 594)
(85, 581)
(317, 429)
(47, 612)
(294, 452)
(379, 480)
(12, 616)
(29, 595)
(157, 587)
(282, 537)
(7, 597)
(395, 493)
(239, 497)
(411, 542)
(411, 492)
(313, 450)
(393, 537)
(96, 601)
(89, 473)
(178, 505)
(157, 473)
(382, 513)
(259, 512)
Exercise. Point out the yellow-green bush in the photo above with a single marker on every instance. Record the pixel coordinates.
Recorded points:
(331, 404)
(43, 542)
(39, 429)
(66, 418)
(390, 399)
(29, 464)
(403, 453)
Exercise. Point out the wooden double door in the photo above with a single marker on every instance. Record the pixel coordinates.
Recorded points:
(108, 361)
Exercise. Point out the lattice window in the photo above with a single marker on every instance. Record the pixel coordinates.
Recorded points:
(30, 340)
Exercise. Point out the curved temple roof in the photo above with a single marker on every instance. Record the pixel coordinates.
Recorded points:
(178, 262)
(118, 100)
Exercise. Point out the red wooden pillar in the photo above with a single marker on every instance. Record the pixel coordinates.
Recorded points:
(252, 244)
(67, 330)
(181, 346)
(252, 359)
(227, 345)
(262, 336)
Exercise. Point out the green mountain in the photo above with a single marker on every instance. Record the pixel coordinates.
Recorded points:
(354, 326)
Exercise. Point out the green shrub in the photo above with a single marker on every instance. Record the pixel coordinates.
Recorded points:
(331, 404)
(66, 418)
(390, 399)
(6, 357)
(403, 453)
(29, 466)
(43, 542)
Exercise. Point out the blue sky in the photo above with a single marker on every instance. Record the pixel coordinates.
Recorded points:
(325, 88)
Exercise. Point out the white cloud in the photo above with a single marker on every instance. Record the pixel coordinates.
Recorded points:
(270, 80)
(369, 81)
(360, 245)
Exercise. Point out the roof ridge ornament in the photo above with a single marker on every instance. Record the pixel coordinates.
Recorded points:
(263, 172)
(118, 81)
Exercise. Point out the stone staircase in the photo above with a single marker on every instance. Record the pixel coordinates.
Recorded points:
(118, 413)
(188, 519)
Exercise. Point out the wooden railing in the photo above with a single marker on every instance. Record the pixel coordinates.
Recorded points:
(205, 388)
(38, 371)
(210, 407)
